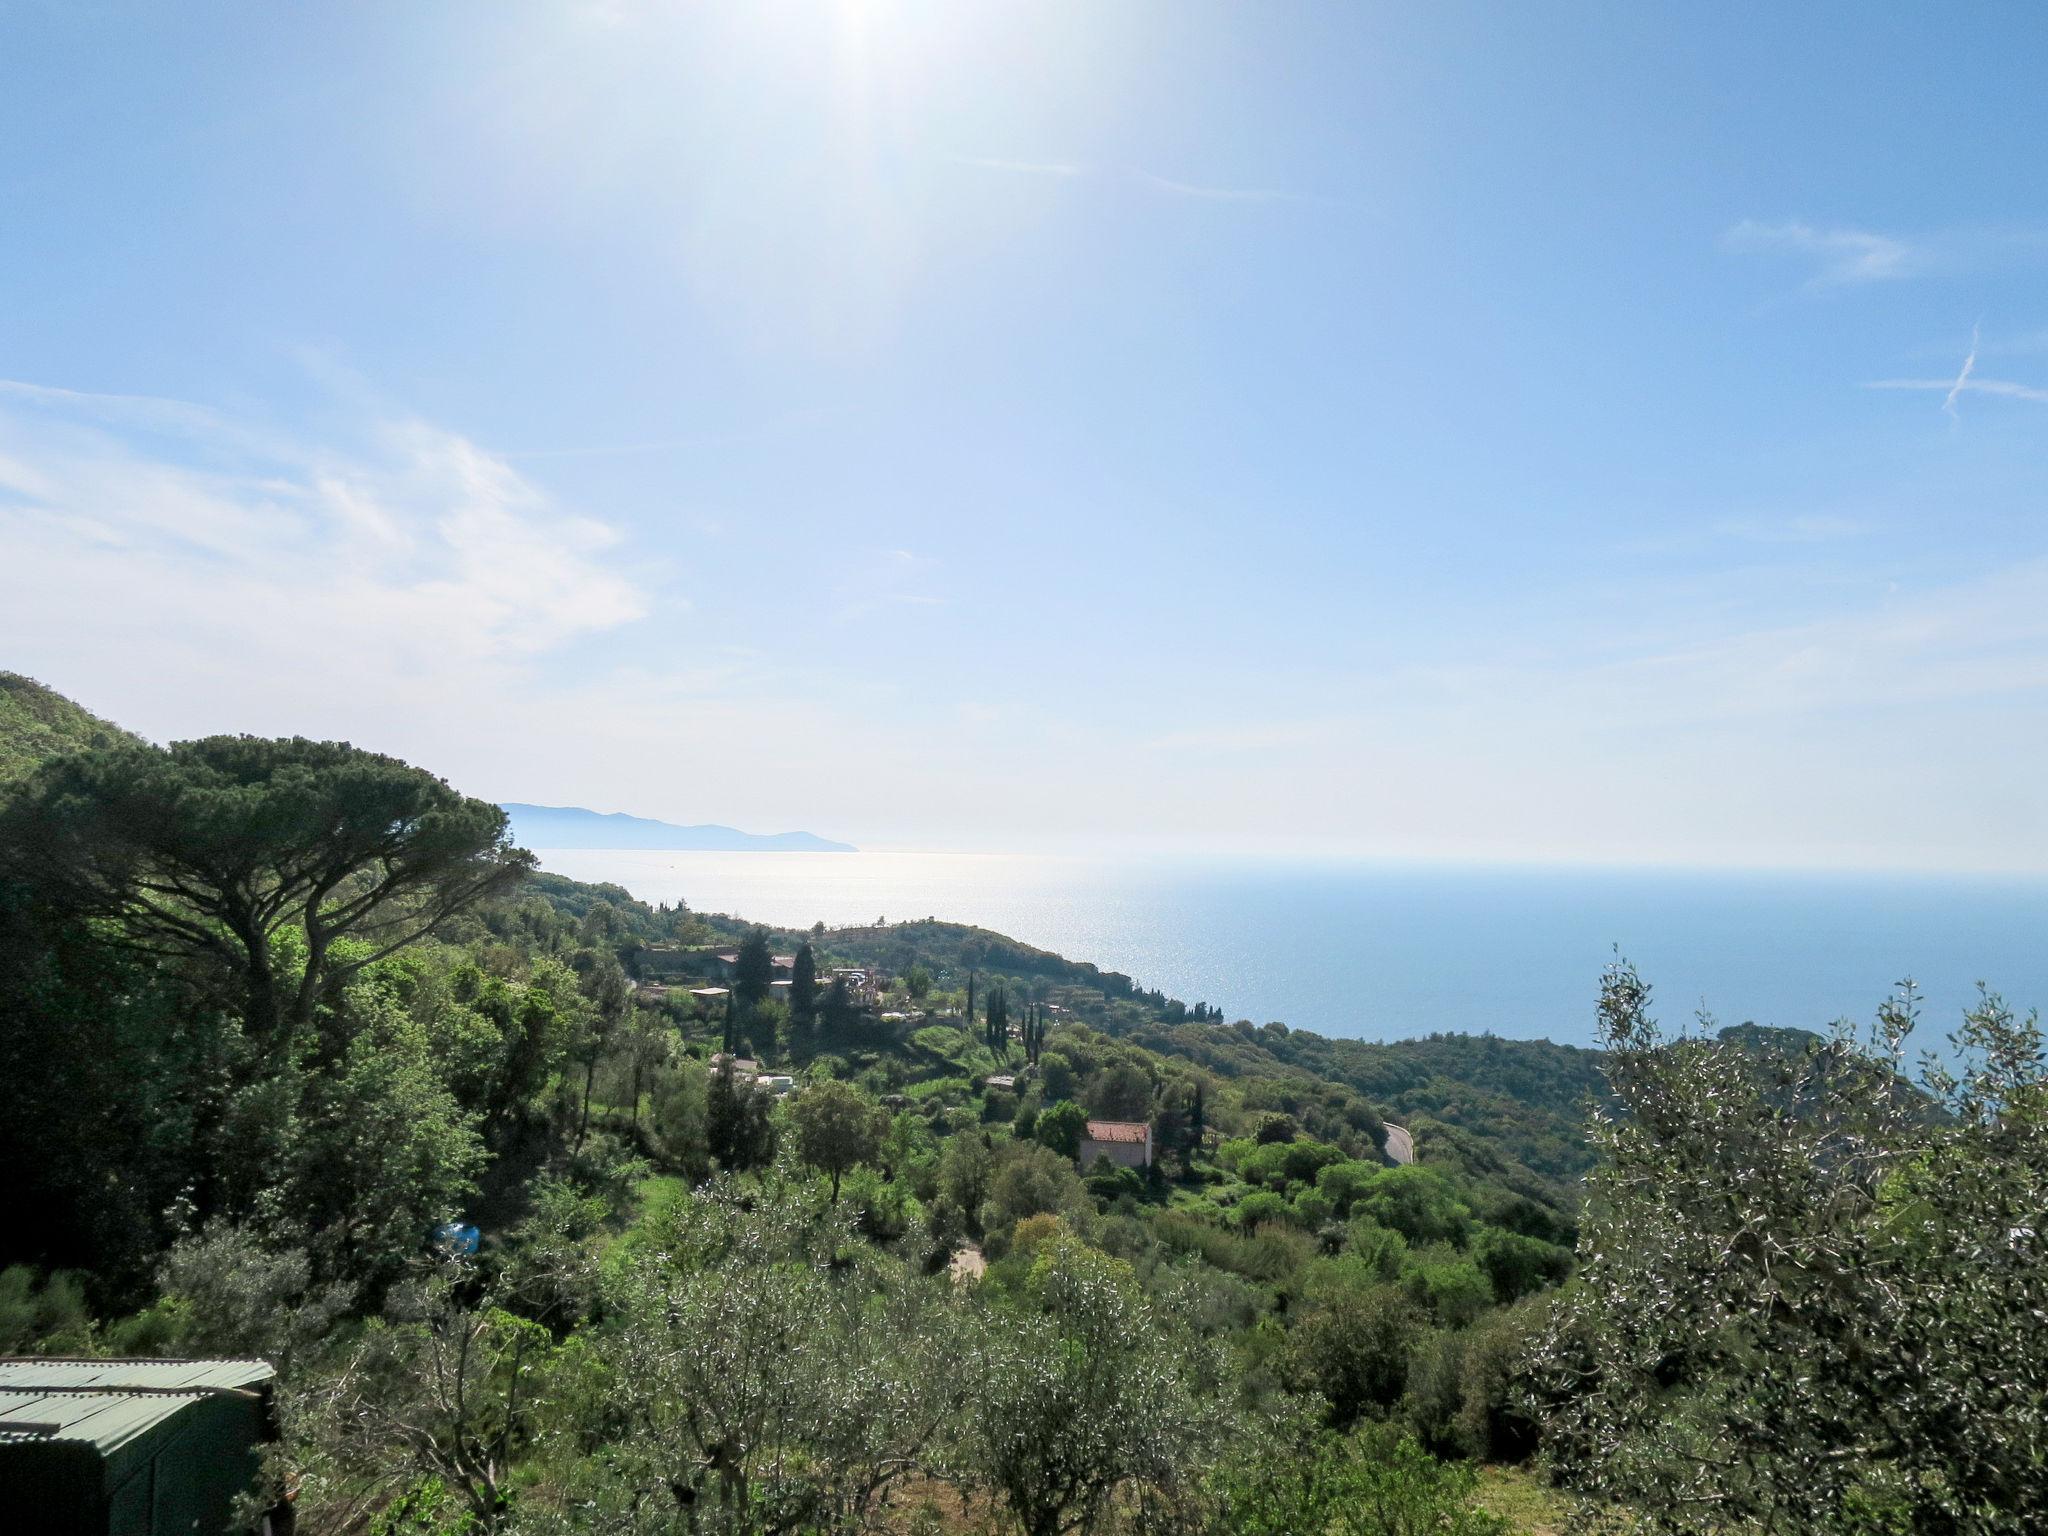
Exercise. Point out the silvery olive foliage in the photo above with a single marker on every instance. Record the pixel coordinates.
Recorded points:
(764, 1371)
(1813, 1297)
(422, 1414)
(1089, 1401)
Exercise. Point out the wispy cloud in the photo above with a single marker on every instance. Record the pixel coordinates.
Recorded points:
(1847, 256)
(1948, 389)
(1948, 402)
(1966, 381)
(1841, 255)
(162, 528)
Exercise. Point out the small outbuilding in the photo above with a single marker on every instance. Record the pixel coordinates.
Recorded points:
(1128, 1142)
(133, 1447)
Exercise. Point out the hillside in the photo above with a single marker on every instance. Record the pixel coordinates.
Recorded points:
(1508, 1113)
(994, 1191)
(571, 826)
(38, 722)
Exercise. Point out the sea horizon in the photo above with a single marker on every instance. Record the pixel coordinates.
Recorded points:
(1390, 949)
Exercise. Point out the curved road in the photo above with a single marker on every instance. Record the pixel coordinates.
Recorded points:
(1400, 1145)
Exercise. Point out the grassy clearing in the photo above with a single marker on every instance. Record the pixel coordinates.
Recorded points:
(1522, 1498)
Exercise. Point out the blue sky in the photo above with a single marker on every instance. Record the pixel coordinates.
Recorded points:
(1425, 431)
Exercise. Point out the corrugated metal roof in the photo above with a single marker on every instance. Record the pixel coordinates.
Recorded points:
(26, 1372)
(107, 1403)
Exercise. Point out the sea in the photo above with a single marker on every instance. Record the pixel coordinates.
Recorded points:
(1383, 951)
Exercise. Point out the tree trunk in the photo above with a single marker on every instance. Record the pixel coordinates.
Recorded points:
(583, 1125)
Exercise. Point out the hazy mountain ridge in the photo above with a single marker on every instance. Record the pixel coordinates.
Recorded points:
(571, 826)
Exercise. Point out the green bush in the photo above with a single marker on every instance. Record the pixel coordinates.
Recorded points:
(1378, 1482)
(1352, 1348)
(47, 1317)
(1342, 1183)
(1455, 1292)
(1421, 1205)
(1518, 1265)
(1260, 1207)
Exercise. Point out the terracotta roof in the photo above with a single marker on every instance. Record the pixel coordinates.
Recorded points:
(1119, 1130)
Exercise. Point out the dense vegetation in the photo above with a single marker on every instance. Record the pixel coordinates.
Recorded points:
(36, 723)
(281, 1018)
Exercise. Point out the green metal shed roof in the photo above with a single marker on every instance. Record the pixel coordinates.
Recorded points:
(108, 1403)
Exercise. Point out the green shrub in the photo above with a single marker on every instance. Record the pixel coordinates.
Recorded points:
(1342, 1183)
(49, 1317)
(1518, 1265)
(1421, 1205)
(1455, 1292)
(1261, 1207)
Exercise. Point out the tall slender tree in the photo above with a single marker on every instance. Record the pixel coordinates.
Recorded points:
(754, 969)
(803, 987)
(998, 1031)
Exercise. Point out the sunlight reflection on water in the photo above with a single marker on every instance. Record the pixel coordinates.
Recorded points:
(1388, 951)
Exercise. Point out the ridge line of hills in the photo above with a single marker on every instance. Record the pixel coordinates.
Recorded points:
(572, 826)
(1505, 1111)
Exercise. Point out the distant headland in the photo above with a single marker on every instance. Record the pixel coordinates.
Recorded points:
(571, 826)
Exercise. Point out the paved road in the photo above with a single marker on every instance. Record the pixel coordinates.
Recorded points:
(1400, 1145)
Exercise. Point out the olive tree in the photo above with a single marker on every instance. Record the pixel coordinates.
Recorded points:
(771, 1373)
(1812, 1295)
(424, 1415)
(1087, 1399)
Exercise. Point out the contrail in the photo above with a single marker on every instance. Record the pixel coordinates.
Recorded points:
(1969, 363)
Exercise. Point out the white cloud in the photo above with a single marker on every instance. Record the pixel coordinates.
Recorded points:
(154, 535)
(1966, 384)
(1966, 381)
(1948, 401)
(1845, 256)
(1842, 255)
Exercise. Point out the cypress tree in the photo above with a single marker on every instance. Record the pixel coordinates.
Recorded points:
(754, 969)
(803, 987)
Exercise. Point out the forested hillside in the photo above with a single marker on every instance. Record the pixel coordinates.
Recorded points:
(563, 1212)
(38, 722)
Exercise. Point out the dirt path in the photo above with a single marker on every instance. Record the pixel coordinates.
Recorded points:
(967, 1264)
(1400, 1145)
